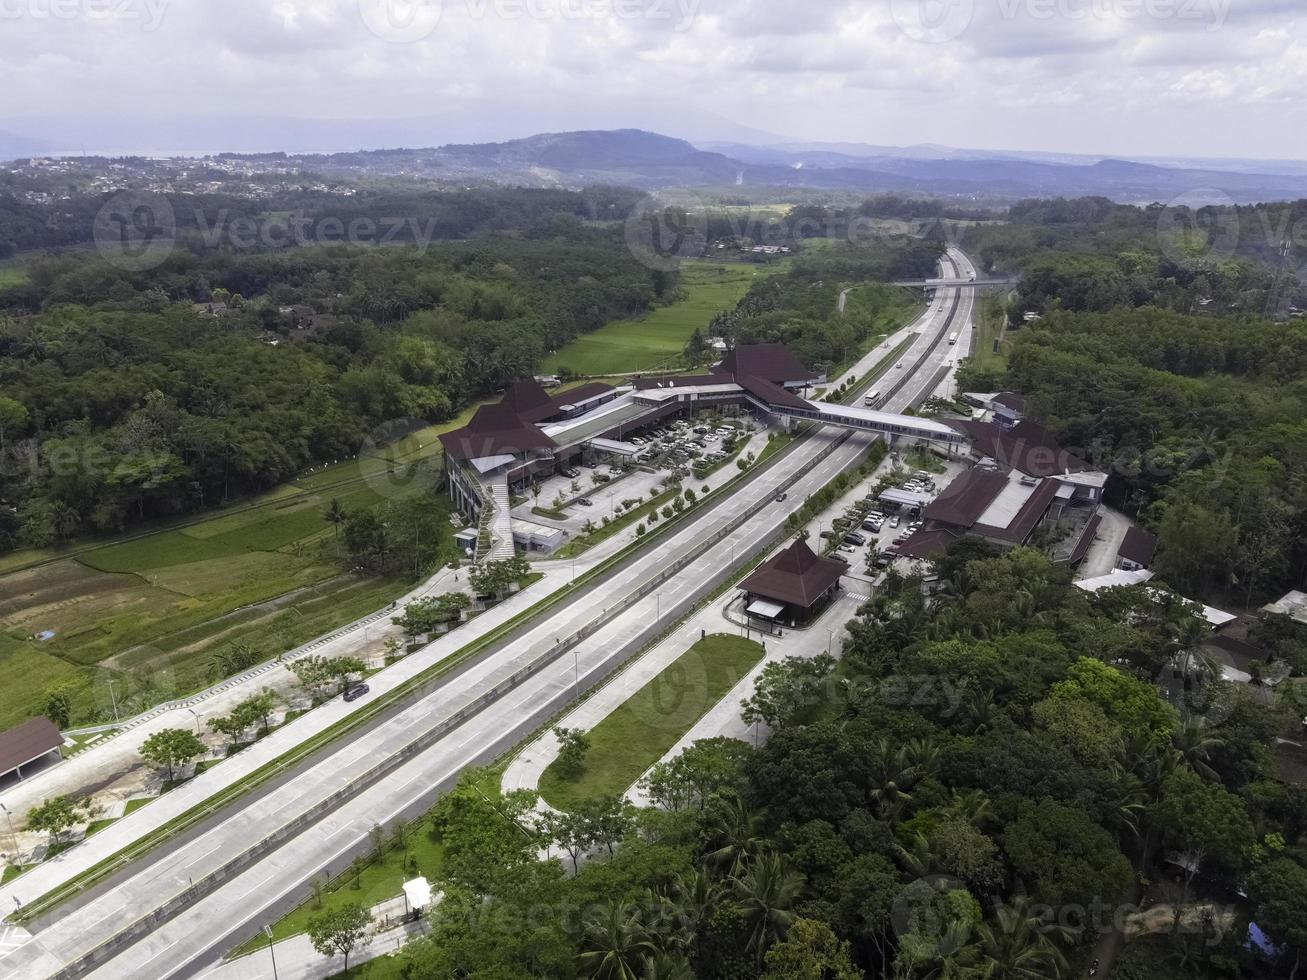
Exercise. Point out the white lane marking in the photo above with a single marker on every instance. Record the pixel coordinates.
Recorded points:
(160, 953)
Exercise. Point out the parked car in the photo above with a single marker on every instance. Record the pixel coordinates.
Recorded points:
(895, 521)
(586, 502)
(356, 692)
(854, 538)
(838, 557)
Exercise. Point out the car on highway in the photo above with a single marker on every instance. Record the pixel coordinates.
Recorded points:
(780, 498)
(586, 502)
(356, 692)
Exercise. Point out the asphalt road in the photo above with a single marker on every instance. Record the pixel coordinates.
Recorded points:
(211, 922)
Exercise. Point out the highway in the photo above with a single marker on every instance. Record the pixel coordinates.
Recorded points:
(469, 719)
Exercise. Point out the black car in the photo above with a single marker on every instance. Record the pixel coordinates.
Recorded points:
(586, 502)
(356, 692)
(854, 539)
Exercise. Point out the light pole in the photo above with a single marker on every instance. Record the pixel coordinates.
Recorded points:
(197, 720)
(114, 701)
(13, 834)
(658, 608)
(830, 639)
(267, 931)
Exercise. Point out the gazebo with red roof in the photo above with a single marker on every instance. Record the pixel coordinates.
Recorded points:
(792, 587)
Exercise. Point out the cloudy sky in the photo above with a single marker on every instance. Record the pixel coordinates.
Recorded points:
(1137, 77)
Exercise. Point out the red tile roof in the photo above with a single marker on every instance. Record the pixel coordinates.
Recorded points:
(966, 498)
(1027, 447)
(528, 400)
(771, 362)
(927, 544)
(795, 576)
(30, 740)
(772, 394)
(494, 431)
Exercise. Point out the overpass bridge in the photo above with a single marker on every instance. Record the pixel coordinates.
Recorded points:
(888, 424)
(954, 283)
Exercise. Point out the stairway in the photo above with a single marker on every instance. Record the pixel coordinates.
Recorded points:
(501, 524)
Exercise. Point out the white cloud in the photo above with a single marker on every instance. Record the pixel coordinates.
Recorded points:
(823, 69)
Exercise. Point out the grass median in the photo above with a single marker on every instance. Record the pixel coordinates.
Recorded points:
(645, 726)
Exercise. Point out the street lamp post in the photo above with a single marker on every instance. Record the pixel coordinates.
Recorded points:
(830, 638)
(114, 700)
(267, 931)
(13, 834)
(197, 720)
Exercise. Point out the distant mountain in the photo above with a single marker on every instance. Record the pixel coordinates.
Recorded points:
(648, 160)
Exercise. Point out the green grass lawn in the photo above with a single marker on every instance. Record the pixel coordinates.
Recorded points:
(647, 725)
(378, 882)
(646, 342)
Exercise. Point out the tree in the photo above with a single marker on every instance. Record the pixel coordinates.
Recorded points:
(1208, 821)
(13, 415)
(573, 832)
(573, 744)
(335, 515)
(706, 768)
(811, 951)
(57, 705)
(615, 943)
(1279, 889)
(787, 689)
(229, 726)
(171, 748)
(57, 815)
(766, 894)
(339, 930)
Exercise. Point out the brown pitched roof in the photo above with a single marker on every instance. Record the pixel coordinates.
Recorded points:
(1011, 401)
(1027, 447)
(1138, 546)
(580, 393)
(30, 740)
(771, 362)
(772, 394)
(1086, 539)
(927, 544)
(966, 498)
(1030, 514)
(795, 576)
(528, 400)
(494, 430)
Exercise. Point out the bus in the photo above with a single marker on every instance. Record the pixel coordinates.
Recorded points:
(952, 338)
(872, 399)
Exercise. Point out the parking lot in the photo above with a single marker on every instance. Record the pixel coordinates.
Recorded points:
(859, 515)
(673, 447)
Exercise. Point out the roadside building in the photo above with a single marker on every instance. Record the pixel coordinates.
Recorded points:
(36, 740)
(1137, 550)
(793, 587)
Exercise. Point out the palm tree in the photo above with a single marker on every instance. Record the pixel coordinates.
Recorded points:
(767, 893)
(615, 944)
(667, 966)
(735, 833)
(335, 515)
(1016, 946)
(1195, 744)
